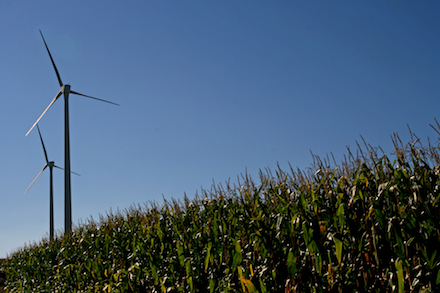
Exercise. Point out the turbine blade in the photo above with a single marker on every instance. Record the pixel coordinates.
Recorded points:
(45, 166)
(73, 92)
(53, 63)
(42, 143)
(53, 101)
(63, 169)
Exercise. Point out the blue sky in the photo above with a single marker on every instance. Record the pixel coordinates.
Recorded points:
(208, 90)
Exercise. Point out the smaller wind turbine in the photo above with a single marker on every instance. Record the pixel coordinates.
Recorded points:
(49, 164)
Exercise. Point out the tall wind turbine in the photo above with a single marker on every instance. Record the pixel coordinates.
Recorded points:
(49, 164)
(65, 90)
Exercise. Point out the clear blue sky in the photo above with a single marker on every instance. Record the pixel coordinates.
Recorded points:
(206, 88)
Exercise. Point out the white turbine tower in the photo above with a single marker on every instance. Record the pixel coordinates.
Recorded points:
(49, 164)
(65, 90)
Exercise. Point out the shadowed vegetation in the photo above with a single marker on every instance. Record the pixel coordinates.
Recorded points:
(369, 224)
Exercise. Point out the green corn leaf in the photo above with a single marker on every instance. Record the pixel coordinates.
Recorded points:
(341, 217)
(208, 255)
(279, 221)
(338, 246)
(190, 282)
(237, 260)
(290, 260)
(188, 268)
(155, 275)
(240, 272)
(303, 201)
(250, 287)
(432, 260)
(318, 261)
(180, 253)
(306, 234)
(262, 286)
(162, 285)
(400, 281)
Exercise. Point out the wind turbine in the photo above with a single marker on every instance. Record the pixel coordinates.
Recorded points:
(49, 164)
(65, 90)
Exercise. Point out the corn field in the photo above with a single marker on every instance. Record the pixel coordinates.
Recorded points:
(368, 224)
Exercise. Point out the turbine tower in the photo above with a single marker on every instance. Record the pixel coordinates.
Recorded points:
(49, 164)
(65, 90)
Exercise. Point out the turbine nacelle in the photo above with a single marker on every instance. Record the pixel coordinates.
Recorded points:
(65, 89)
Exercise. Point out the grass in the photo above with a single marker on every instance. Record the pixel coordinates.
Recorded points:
(369, 224)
